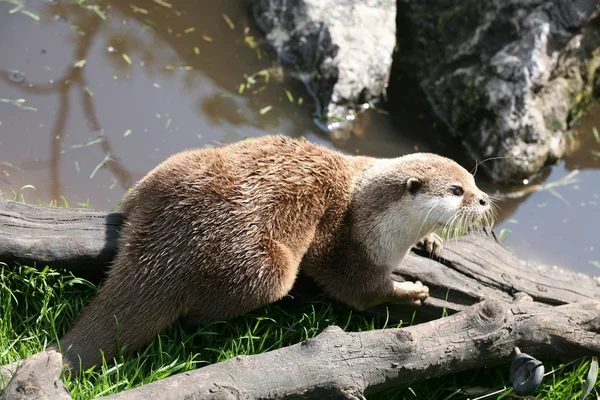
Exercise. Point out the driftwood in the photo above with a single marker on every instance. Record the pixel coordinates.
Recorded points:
(38, 379)
(339, 365)
(78, 240)
(503, 304)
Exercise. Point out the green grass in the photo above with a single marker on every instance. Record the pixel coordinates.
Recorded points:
(36, 307)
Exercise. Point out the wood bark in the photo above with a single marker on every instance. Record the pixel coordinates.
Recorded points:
(472, 268)
(79, 240)
(38, 378)
(498, 304)
(337, 364)
(349, 365)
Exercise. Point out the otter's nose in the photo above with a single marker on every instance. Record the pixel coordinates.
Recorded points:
(484, 200)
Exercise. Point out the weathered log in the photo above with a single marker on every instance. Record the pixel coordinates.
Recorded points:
(472, 268)
(79, 240)
(38, 378)
(338, 364)
(504, 304)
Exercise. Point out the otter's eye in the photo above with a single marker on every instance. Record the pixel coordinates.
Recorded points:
(457, 191)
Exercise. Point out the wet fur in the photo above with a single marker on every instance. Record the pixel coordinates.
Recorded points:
(212, 234)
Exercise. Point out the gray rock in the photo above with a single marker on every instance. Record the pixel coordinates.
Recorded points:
(341, 49)
(504, 74)
(37, 378)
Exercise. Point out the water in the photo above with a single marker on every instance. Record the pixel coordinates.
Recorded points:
(110, 92)
(560, 226)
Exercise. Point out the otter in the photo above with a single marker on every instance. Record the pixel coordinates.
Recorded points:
(214, 233)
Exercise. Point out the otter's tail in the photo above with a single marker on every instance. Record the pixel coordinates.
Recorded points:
(117, 318)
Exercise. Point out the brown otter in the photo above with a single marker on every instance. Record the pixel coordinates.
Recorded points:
(214, 233)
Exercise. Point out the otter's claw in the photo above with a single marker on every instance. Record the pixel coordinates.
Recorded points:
(410, 293)
(433, 244)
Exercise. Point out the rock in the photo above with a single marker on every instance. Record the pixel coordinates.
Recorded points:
(7, 372)
(38, 378)
(505, 75)
(340, 49)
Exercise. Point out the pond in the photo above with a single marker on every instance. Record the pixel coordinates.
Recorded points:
(93, 95)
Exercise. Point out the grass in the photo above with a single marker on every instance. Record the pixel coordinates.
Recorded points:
(37, 306)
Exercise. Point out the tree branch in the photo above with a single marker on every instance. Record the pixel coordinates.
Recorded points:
(504, 304)
(356, 364)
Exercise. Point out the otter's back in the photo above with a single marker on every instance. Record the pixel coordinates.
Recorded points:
(226, 210)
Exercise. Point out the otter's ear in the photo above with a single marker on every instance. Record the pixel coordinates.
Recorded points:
(413, 185)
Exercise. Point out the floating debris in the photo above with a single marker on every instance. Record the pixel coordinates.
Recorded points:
(126, 58)
(163, 3)
(9, 165)
(100, 165)
(16, 76)
(265, 110)
(97, 10)
(596, 134)
(229, 22)
(90, 143)
(20, 7)
(253, 80)
(30, 14)
(289, 95)
(251, 42)
(19, 103)
(127, 133)
(140, 10)
(566, 180)
(80, 63)
(176, 67)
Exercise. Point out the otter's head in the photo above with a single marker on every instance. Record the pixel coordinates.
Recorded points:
(445, 192)
(402, 200)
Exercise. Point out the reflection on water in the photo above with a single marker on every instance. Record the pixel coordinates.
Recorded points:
(93, 97)
(560, 225)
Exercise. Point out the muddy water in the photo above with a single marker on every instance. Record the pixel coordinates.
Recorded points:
(560, 224)
(93, 96)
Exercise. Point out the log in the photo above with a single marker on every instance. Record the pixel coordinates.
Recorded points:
(79, 240)
(472, 268)
(337, 364)
(350, 365)
(495, 303)
(38, 378)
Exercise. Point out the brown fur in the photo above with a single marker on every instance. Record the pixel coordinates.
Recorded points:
(212, 234)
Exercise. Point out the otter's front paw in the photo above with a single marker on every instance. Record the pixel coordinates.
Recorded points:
(433, 244)
(410, 293)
